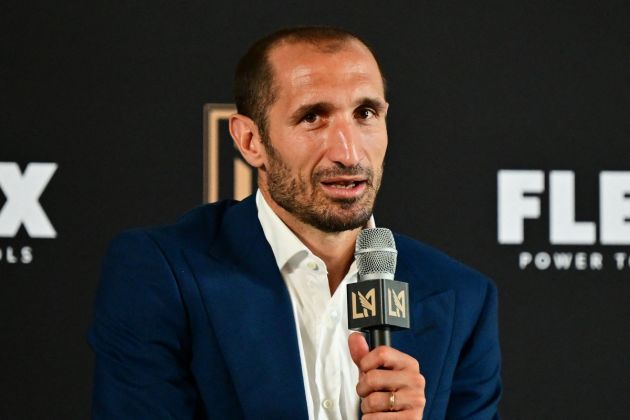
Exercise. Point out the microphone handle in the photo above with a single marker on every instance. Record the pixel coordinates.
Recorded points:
(379, 336)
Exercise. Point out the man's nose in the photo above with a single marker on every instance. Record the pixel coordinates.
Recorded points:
(344, 144)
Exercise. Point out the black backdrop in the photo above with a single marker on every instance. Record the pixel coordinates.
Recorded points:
(113, 94)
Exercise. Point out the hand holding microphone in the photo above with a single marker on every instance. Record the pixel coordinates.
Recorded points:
(389, 380)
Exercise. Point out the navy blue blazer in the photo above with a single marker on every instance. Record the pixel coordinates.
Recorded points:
(194, 321)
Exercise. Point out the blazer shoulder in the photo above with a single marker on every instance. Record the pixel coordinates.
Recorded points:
(437, 270)
(197, 228)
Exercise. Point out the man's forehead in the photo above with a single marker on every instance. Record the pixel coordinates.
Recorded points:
(295, 51)
(298, 61)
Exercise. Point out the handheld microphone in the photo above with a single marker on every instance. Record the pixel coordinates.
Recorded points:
(377, 304)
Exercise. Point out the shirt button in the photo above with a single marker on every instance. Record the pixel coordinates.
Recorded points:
(312, 265)
(332, 319)
(327, 404)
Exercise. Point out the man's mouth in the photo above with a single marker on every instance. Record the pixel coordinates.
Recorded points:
(345, 185)
(343, 182)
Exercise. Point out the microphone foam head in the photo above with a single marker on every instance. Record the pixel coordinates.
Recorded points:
(375, 253)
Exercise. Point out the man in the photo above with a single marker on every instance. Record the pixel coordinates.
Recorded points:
(237, 311)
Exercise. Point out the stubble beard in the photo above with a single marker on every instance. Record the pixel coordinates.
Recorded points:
(311, 205)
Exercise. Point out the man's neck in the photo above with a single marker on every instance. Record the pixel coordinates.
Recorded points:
(336, 249)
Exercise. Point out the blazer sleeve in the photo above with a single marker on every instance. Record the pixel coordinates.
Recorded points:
(140, 337)
(476, 387)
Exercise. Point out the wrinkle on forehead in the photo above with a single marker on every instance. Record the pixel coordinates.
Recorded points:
(303, 70)
(297, 53)
(307, 74)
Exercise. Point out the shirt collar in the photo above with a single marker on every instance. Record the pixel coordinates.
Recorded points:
(284, 244)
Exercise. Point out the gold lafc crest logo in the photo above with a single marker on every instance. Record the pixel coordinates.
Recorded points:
(396, 303)
(367, 303)
(364, 304)
(225, 173)
(378, 302)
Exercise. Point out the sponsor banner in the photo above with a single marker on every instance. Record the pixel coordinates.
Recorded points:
(594, 244)
(22, 210)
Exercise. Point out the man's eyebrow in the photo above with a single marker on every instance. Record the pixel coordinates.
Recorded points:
(375, 103)
(315, 108)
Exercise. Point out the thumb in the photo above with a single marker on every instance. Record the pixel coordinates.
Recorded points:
(358, 347)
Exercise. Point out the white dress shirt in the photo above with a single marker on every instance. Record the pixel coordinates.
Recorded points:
(330, 375)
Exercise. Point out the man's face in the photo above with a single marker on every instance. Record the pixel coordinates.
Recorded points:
(326, 135)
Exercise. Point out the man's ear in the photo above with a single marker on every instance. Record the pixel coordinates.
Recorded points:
(246, 136)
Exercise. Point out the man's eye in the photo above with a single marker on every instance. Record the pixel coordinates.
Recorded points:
(365, 113)
(310, 118)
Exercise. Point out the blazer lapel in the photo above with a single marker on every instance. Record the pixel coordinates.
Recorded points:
(431, 312)
(250, 310)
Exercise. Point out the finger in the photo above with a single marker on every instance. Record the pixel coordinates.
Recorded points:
(394, 415)
(378, 402)
(378, 380)
(402, 400)
(382, 402)
(358, 347)
(388, 358)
